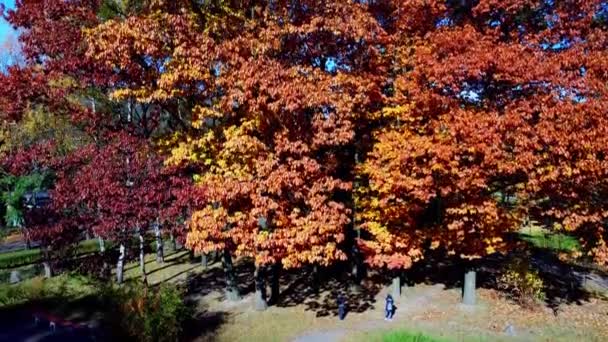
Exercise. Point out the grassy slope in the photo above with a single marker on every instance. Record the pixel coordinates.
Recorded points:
(545, 239)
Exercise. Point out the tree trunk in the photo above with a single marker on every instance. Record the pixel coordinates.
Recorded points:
(204, 261)
(142, 257)
(48, 272)
(316, 279)
(468, 289)
(173, 243)
(275, 288)
(120, 265)
(46, 263)
(28, 242)
(102, 245)
(396, 288)
(232, 290)
(260, 303)
(160, 257)
(356, 277)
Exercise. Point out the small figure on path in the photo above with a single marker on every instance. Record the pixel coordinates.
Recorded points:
(341, 307)
(389, 308)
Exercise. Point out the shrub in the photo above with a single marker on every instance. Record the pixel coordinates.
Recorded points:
(146, 314)
(522, 282)
(31, 290)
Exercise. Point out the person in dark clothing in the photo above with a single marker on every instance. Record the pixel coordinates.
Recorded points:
(341, 307)
(389, 308)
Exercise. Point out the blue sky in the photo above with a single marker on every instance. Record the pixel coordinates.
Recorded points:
(5, 28)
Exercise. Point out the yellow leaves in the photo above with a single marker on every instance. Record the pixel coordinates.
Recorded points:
(200, 113)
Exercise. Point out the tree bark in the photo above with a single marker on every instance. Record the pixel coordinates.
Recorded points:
(232, 290)
(173, 243)
(120, 265)
(142, 257)
(468, 289)
(316, 279)
(204, 261)
(102, 245)
(46, 263)
(396, 288)
(275, 289)
(160, 257)
(260, 303)
(48, 272)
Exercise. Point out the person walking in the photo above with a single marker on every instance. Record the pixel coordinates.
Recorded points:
(389, 308)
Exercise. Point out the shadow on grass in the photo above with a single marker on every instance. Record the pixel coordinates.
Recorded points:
(214, 279)
(563, 282)
(204, 326)
(319, 291)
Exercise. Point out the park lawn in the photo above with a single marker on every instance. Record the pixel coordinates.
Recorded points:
(30, 256)
(64, 286)
(401, 336)
(69, 296)
(540, 237)
(177, 267)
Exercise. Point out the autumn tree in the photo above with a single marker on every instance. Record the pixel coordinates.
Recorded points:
(467, 150)
(270, 94)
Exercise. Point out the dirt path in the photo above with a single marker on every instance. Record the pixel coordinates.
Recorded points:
(407, 306)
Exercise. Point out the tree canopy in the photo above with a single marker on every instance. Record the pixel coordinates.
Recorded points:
(309, 132)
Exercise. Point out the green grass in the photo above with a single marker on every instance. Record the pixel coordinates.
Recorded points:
(31, 256)
(177, 267)
(542, 238)
(406, 336)
(60, 289)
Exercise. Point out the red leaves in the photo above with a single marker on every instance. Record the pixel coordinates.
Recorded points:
(446, 120)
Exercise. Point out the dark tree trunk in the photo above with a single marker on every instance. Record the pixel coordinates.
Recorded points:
(315, 280)
(260, 303)
(204, 261)
(275, 289)
(396, 288)
(232, 290)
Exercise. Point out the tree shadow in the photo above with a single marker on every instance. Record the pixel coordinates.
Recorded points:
(214, 280)
(204, 326)
(563, 281)
(319, 293)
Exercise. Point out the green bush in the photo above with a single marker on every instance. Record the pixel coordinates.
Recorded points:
(147, 314)
(16, 294)
(522, 282)
(65, 286)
